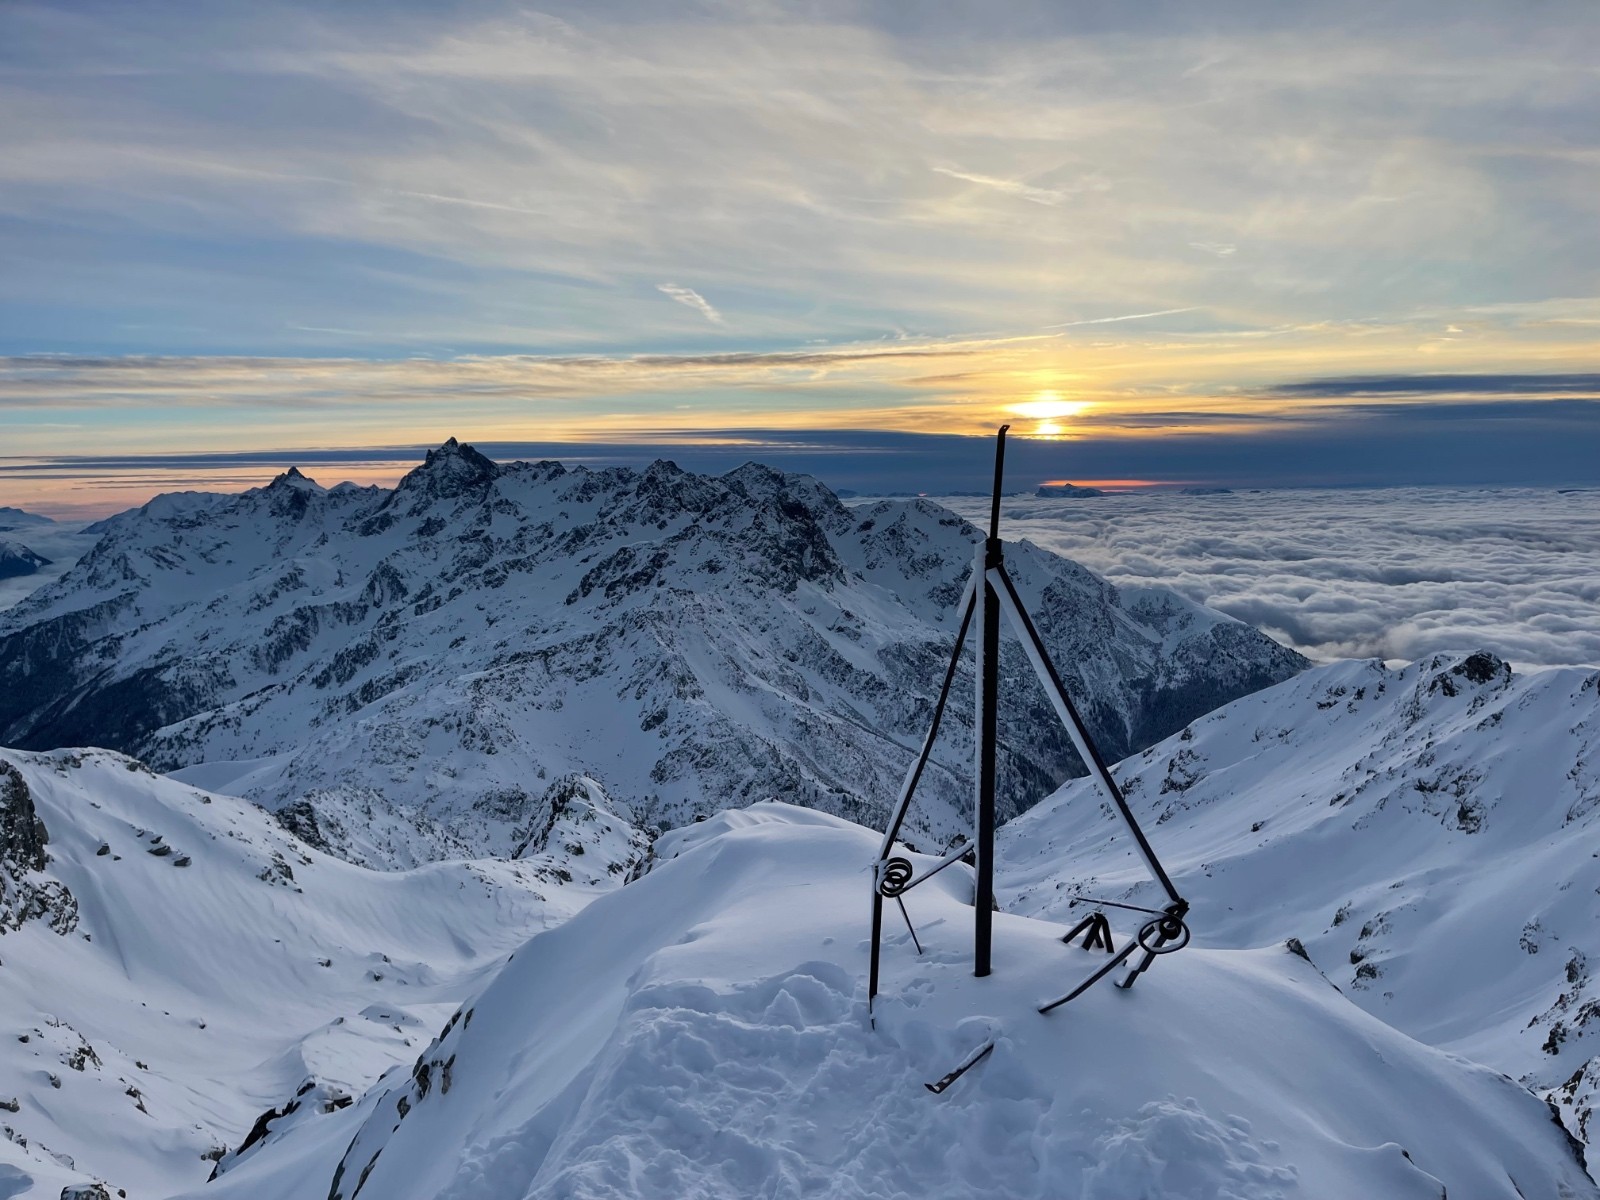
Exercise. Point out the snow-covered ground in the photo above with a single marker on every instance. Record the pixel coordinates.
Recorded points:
(1424, 839)
(1395, 573)
(704, 1032)
(206, 966)
(1430, 835)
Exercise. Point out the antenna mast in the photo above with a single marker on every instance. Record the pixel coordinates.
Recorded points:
(990, 591)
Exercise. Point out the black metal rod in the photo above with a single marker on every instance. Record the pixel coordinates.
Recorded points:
(910, 928)
(988, 724)
(954, 856)
(971, 1060)
(909, 790)
(1096, 764)
(915, 777)
(1116, 960)
(999, 473)
(877, 938)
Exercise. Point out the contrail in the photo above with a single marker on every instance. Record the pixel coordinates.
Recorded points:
(1165, 312)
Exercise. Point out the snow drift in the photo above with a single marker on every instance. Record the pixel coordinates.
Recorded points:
(702, 1032)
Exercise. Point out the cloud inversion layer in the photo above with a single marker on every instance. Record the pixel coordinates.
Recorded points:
(1396, 573)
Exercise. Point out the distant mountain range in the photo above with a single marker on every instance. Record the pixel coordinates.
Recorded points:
(414, 673)
(16, 518)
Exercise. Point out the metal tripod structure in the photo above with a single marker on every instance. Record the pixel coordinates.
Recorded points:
(988, 593)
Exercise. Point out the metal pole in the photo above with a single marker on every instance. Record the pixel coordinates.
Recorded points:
(908, 789)
(1056, 691)
(990, 556)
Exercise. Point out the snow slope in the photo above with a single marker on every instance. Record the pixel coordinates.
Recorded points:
(414, 669)
(703, 1032)
(1430, 834)
(181, 964)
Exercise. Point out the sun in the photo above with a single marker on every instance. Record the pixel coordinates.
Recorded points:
(1049, 406)
(1049, 409)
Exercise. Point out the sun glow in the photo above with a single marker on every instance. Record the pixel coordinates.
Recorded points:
(1049, 406)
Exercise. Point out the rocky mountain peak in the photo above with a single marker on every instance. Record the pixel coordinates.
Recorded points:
(450, 470)
(292, 478)
(432, 650)
(290, 494)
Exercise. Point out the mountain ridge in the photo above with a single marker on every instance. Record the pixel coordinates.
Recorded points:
(429, 657)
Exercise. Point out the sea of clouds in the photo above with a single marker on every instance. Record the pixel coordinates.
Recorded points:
(1396, 573)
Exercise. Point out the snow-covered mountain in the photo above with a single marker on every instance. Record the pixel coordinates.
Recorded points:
(174, 965)
(16, 559)
(703, 1032)
(18, 518)
(417, 673)
(1430, 836)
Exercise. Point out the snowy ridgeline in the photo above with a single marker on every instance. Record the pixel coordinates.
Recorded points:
(703, 1033)
(416, 673)
(1430, 836)
(1425, 836)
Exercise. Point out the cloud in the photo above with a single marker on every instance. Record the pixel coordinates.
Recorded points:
(1011, 187)
(1144, 316)
(1585, 383)
(691, 299)
(493, 177)
(1393, 573)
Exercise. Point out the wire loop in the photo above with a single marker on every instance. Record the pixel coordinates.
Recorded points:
(895, 877)
(1163, 935)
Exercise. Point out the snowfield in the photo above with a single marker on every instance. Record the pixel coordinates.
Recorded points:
(1394, 876)
(1429, 834)
(703, 1032)
(182, 964)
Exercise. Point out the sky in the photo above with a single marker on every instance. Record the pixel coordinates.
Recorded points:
(1243, 243)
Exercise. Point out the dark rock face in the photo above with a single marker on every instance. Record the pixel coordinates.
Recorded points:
(300, 819)
(23, 895)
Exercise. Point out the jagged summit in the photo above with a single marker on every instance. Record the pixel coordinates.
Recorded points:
(293, 478)
(450, 470)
